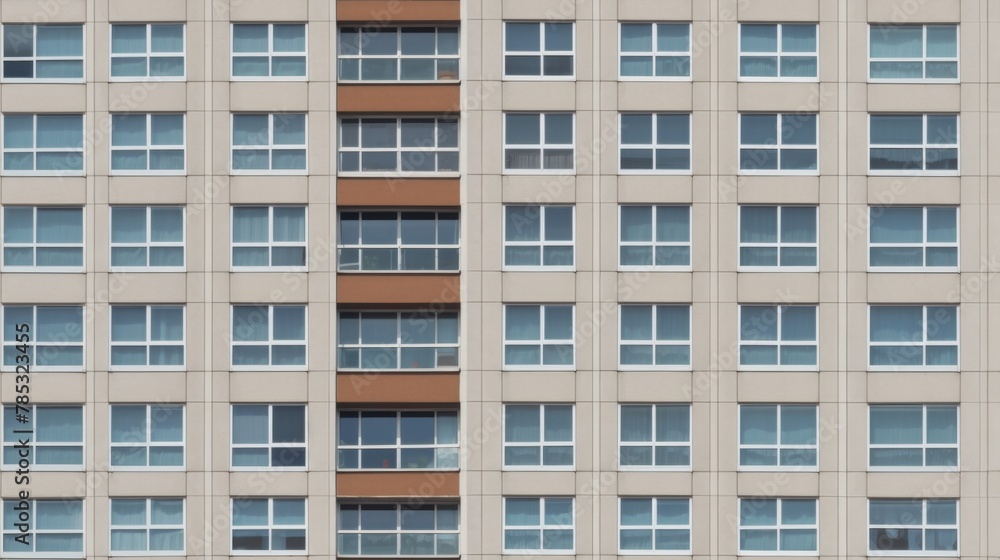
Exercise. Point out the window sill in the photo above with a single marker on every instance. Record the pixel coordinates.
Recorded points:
(778, 173)
(912, 269)
(629, 268)
(345, 470)
(548, 172)
(653, 368)
(269, 173)
(913, 469)
(148, 470)
(146, 79)
(140, 173)
(750, 469)
(152, 553)
(776, 79)
(507, 468)
(269, 79)
(145, 269)
(778, 369)
(631, 468)
(396, 82)
(563, 79)
(539, 368)
(42, 369)
(42, 270)
(907, 173)
(43, 174)
(455, 271)
(912, 553)
(654, 172)
(45, 468)
(237, 269)
(400, 174)
(147, 369)
(777, 269)
(43, 81)
(268, 469)
(654, 79)
(449, 369)
(914, 81)
(801, 553)
(913, 369)
(654, 552)
(540, 268)
(268, 369)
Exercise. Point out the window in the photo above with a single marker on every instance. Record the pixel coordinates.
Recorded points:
(538, 436)
(269, 525)
(778, 337)
(398, 145)
(773, 144)
(661, 525)
(55, 436)
(654, 337)
(659, 51)
(55, 334)
(905, 238)
(654, 237)
(269, 436)
(778, 50)
(148, 238)
(655, 142)
(384, 530)
(908, 337)
(538, 336)
(769, 525)
(538, 237)
(538, 49)
(43, 53)
(147, 51)
(912, 436)
(55, 528)
(42, 144)
(901, 143)
(655, 436)
(147, 144)
(913, 52)
(536, 142)
(388, 439)
(782, 237)
(403, 54)
(398, 340)
(147, 337)
(147, 437)
(269, 50)
(269, 142)
(267, 237)
(42, 238)
(269, 336)
(912, 527)
(380, 241)
(778, 436)
(153, 525)
(538, 525)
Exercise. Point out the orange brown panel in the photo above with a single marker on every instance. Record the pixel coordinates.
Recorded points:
(398, 288)
(401, 484)
(373, 98)
(398, 192)
(397, 388)
(381, 12)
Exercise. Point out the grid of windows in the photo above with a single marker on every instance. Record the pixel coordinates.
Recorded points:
(54, 434)
(388, 439)
(778, 336)
(654, 525)
(153, 525)
(913, 144)
(275, 525)
(269, 237)
(654, 337)
(913, 53)
(538, 336)
(654, 237)
(269, 337)
(269, 50)
(538, 237)
(42, 238)
(778, 237)
(268, 436)
(538, 525)
(538, 49)
(147, 144)
(912, 437)
(538, 436)
(782, 51)
(55, 526)
(538, 142)
(147, 238)
(398, 54)
(383, 145)
(406, 241)
(43, 53)
(778, 525)
(655, 51)
(783, 143)
(654, 143)
(147, 337)
(55, 333)
(654, 437)
(147, 437)
(778, 436)
(48, 144)
(912, 527)
(913, 238)
(152, 51)
(388, 530)
(397, 340)
(269, 143)
(913, 337)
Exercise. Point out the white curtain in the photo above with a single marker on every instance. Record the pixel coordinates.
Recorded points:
(250, 424)
(128, 39)
(637, 423)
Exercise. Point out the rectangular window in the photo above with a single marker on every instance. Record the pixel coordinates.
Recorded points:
(55, 528)
(274, 142)
(387, 530)
(398, 340)
(657, 143)
(785, 525)
(654, 337)
(778, 237)
(389, 439)
(43, 53)
(269, 437)
(538, 49)
(269, 525)
(42, 144)
(42, 239)
(398, 54)
(147, 144)
(778, 337)
(147, 525)
(917, 144)
(398, 145)
(655, 51)
(538, 525)
(654, 237)
(143, 51)
(912, 527)
(913, 53)
(269, 50)
(147, 437)
(654, 437)
(538, 436)
(654, 525)
(55, 334)
(782, 51)
(269, 337)
(147, 238)
(388, 241)
(917, 238)
(55, 434)
(539, 142)
(147, 337)
(778, 437)
(538, 237)
(913, 337)
(912, 437)
(269, 237)
(538, 336)
(779, 144)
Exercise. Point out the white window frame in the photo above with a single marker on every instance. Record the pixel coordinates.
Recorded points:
(653, 243)
(924, 146)
(652, 443)
(778, 527)
(399, 57)
(149, 147)
(149, 54)
(541, 243)
(778, 343)
(654, 527)
(400, 344)
(148, 440)
(38, 345)
(399, 246)
(542, 342)
(270, 146)
(35, 245)
(270, 527)
(33, 531)
(656, 146)
(398, 531)
(541, 146)
(148, 343)
(779, 54)
(270, 444)
(399, 446)
(777, 447)
(149, 244)
(778, 244)
(270, 342)
(270, 54)
(924, 446)
(35, 172)
(922, 526)
(654, 53)
(923, 245)
(35, 59)
(778, 146)
(923, 344)
(541, 444)
(270, 243)
(654, 341)
(148, 526)
(542, 502)
(34, 443)
(541, 53)
(924, 59)
(398, 149)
